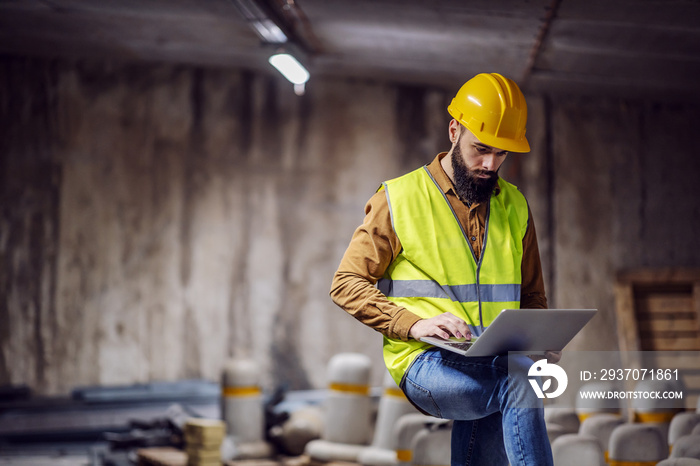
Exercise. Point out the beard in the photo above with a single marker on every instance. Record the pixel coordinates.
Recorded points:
(468, 185)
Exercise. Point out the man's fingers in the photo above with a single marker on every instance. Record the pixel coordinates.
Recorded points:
(457, 332)
(443, 326)
(443, 334)
(459, 328)
(456, 327)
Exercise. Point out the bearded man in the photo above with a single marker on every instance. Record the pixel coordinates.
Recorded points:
(442, 250)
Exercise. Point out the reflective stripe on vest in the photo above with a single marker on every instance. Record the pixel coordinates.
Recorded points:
(437, 271)
(430, 289)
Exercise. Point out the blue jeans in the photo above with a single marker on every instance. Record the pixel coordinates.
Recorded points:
(497, 416)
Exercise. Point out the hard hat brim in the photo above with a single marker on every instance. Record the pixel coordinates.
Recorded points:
(507, 144)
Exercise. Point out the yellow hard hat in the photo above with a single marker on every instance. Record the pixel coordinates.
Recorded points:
(493, 108)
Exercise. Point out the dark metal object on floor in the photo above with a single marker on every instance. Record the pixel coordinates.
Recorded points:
(134, 415)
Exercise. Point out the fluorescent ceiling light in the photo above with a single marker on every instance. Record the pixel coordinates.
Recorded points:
(269, 32)
(290, 68)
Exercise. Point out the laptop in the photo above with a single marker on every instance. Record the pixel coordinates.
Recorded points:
(530, 331)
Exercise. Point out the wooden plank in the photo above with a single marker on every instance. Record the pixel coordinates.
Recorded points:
(628, 334)
(688, 366)
(666, 303)
(670, 344)
(161, 456)
(254, 462)
(669, 335)
(659, 275)
(662, 308)
(695, 306)
(681, 361)
(666, 325)
(689, 316)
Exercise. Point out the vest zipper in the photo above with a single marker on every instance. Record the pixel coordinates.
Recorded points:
(481, 258)
(466, 238)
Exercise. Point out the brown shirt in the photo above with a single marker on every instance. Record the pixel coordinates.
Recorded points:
(374, 246)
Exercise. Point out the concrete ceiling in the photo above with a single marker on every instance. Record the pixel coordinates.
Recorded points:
(627, 48)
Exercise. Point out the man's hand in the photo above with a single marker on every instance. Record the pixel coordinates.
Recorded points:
(444, 326)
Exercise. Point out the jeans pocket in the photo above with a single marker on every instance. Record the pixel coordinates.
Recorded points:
(421, 397)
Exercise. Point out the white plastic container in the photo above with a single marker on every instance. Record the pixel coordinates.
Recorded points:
(242, 401)
(348, 407)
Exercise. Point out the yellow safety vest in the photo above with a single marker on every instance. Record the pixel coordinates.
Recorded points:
(437, 271)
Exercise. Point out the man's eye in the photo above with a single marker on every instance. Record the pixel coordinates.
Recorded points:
(502, 153)
(482, 150)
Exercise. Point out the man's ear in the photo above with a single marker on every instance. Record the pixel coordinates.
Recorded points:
(454, 130)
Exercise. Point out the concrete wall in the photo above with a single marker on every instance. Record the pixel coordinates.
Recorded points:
(156, 220)
(626, 195)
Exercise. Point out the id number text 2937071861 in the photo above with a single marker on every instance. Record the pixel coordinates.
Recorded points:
(630, 374)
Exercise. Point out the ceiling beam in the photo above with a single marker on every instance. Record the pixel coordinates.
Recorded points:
(540, 39)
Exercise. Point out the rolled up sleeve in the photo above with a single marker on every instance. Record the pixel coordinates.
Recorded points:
(373, 247)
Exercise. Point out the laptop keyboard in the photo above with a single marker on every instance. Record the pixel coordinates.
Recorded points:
(462, 345)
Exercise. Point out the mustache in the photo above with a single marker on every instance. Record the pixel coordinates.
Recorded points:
(489, 173)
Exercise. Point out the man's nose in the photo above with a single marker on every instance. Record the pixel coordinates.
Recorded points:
(489, 162)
